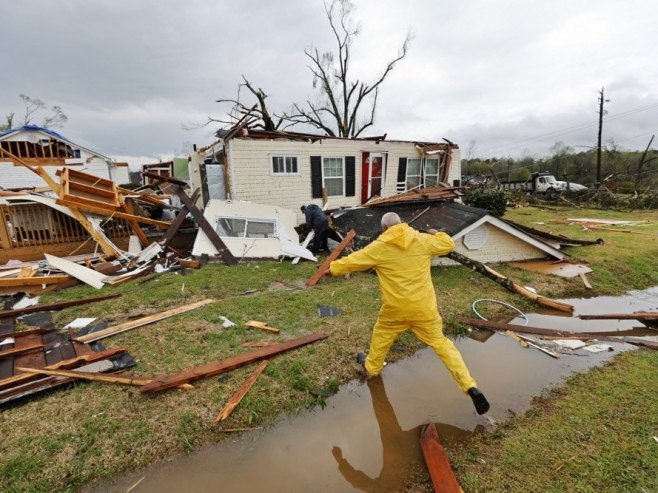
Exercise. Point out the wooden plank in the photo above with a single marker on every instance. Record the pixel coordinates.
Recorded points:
(133, 324)
(217, 367)
(583, 277)
(64, 364)
(240, 393)
(14, 282)
(105, 211)
(543, 350)
(20, 350)
(255, 324)
(621, 316)
(205, 226)
(179, 220)
(524, 329)
(95, 377)
(315, 278)
(58, 305)
(443, 477)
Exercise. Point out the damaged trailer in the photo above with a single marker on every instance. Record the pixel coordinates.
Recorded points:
(251, 230)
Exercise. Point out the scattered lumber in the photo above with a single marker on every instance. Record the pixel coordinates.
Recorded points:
(322, 270)
(203, 223)
(240, 393)
(21, 350)
(95, 377)
(168, 381)
(58, 305)
(255, 324)
(531, 343)
(586, 283)
(133, 324)
(525, 329)
(258, 344)
(443, 477)
(20, 282)
(515, 336)
(64, 364)
(552, 333)
(639, 316)
(509, 284)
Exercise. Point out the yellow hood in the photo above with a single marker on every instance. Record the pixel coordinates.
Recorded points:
(402, 257)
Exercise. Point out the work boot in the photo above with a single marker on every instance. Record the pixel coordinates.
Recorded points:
(479, 400)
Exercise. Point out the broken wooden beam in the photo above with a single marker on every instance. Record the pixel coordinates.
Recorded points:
(58, 305)
(509, 284)
(255, 324)
(443, 477)
(133, 324)
(639, 316)
(95, 377)
(179, 220)
(168, 381)
(322, 270)
(240, 393)
(524, 329)
(64, 364)
(17, 351)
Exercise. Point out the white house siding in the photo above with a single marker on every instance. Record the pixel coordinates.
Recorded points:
(252, 179)
(500, 246)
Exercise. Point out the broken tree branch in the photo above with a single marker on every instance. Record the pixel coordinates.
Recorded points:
(509, 284)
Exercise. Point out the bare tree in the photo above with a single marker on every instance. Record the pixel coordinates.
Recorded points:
(32, 106)
(346, 107)
(261, 116)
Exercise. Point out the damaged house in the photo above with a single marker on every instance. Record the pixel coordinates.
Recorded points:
(288, 169)
(39, 146)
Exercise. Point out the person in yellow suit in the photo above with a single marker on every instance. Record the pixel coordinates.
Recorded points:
(401, 257)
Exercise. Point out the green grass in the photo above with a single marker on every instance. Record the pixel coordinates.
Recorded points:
(93, 431)
(595, 434)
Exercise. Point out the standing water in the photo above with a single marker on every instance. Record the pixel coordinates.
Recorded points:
(367, 437)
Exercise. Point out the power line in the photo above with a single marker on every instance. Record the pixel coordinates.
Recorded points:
(556, 133)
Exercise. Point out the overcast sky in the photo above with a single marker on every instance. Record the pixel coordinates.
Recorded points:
(511, 76)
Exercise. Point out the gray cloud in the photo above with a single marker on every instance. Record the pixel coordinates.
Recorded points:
(513, 76)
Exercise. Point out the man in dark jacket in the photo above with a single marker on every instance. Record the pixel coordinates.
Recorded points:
(317, 220)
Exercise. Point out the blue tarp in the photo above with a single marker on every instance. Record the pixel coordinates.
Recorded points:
(33, 128)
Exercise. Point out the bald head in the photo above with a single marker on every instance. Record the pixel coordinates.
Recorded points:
(390, 219)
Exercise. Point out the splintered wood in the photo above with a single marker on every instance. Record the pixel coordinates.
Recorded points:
(322, 270)
(443, 477)
(240, 393)
(255, 324)
(166, 382)
(95, 377)
(133, 324)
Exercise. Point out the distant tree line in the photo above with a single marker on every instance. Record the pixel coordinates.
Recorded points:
(622, 171)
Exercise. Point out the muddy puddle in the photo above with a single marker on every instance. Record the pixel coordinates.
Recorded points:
(366, 438)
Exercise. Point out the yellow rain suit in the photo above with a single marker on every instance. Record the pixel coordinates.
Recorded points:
(402, 257)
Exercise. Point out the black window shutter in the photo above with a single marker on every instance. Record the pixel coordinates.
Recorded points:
(349, 176)
(402, 170)
(316, 177)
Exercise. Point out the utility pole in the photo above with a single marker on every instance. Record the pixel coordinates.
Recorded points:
(598, 145)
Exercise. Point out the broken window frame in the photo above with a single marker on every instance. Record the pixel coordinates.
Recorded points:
(289, 165)
(244, 230)
(340, 177)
